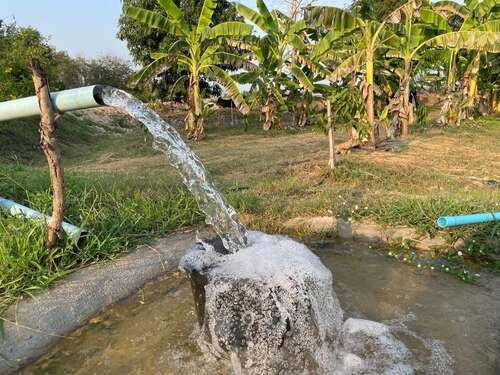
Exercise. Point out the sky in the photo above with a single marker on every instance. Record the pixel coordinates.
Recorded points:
(85, 27)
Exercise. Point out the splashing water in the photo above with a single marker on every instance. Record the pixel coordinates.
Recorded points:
(219, 213)
(271, 309)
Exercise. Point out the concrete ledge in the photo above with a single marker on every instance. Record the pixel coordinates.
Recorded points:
(34, 325)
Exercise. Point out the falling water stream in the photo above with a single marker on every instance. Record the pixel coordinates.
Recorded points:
(218, 212)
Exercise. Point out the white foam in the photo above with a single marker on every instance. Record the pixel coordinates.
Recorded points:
(292, 285)
(271, 257)
(374, 343)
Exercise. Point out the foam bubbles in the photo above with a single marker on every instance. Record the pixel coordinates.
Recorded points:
(271, 308)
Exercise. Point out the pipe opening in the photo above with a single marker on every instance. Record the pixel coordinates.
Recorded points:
(98, 93)
(442, 222)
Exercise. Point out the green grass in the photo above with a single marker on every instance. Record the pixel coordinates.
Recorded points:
(118, 212)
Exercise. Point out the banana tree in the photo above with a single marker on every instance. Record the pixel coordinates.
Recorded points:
(272, 77)
(473, 15)
(474, 40)
(199, 51)
(471, 76)
(488, 82)
(411, 35)
(362, 39)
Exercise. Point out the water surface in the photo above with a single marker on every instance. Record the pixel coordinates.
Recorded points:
(151, 333)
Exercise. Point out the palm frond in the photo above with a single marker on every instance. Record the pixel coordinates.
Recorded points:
(150, 18)
(354, 63)
(175, 15)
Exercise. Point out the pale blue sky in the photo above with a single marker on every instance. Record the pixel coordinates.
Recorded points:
(84, 27)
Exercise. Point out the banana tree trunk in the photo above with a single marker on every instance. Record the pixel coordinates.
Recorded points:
(449, 111)
(472, 85)
(190, 115)
(406, 115)
(369, 96)
(268, 112)
(305, 110)
(495, 103)
(298, 111)
(194, 121)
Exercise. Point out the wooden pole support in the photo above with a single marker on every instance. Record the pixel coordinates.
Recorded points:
(49, 146)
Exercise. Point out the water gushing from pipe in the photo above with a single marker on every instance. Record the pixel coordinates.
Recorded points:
(222, 216)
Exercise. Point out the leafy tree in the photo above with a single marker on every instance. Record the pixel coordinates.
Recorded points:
(71, 71)
(79, 71)
(142, 40)
(375, 9)
(108, 70)
(197, 52)
(411, 35)
(361, 39)
(18, 45)
(404, 40)
(489, 81)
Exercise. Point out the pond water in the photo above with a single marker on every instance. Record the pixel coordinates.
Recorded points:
(152, 332)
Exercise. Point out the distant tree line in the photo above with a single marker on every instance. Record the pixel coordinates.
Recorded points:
(18, 45)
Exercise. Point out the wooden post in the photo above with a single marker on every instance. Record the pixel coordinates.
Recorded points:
(331, 135)
(49, 146)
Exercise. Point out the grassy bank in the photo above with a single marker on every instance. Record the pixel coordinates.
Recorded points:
(118, 212)
(123, 193)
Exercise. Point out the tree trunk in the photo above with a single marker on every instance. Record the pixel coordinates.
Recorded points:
(369, 96)
(472, 85)
(50, 148)
(194, 126)
(449, 115)
(268, 113)
(331, 135)
(190, 115)
(495, 103)
(406, 108)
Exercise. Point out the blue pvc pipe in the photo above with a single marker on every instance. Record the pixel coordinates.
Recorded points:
(453, 221)
(15, 209)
